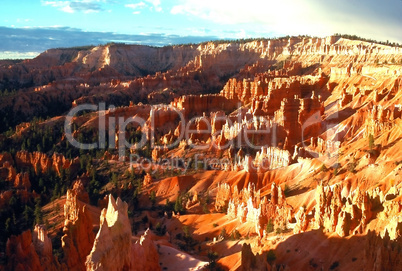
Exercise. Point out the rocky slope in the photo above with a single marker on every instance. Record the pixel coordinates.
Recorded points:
(267, 153)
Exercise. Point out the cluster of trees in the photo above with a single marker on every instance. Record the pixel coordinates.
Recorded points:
(18, 216)
(242, 41)
(12, 115)
(10, 119)
(50, 184)
(6, 93)
(186, 241)
(22, 213)
(178, 206)
(213, 256)
(130, 195)
(160, 230)
(354, 37)
(79, 48)
(49, 139)
(42, 139)
(94, 187)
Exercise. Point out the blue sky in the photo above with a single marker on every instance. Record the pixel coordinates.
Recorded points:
(34, 26)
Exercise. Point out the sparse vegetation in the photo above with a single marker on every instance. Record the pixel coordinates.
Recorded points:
(38, 212)
(223, 233)
(354, 37)
(334, 265)
(335, 171)
(205, 208)
(160, 230)
(178, 205)
(235, 235)
(278, 230)
(271, 257)
(270, 226)
(286, 190)
(187, 242)
(371, 142)
(213, 265)
(152, 198)
(351, 166)
(144, 220)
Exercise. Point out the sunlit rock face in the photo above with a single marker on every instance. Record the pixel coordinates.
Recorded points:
(248, 206)
(112, 246)
(144, 253)
(43, 246)
(31, 251)
(78, 236)
(42, 162)
(22, 254)
(348, 213)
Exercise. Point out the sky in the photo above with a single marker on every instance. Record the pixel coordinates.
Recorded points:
(28, 27)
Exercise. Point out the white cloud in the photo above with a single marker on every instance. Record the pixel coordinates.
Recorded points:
(39, 39)
(275, 14)
(56, 4)
(152, 4)
(18, 55)
(241, 34)
(86, 6)
(293, 17)
(229, 12)
(156, 4)
(67, 9)
(135, 6)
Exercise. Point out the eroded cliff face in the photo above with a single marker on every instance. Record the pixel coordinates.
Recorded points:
(43, 247)
(78, 236)
(144, 253)
(382, 253)
(169, 72)
(247, 206)
(22, 254)
(15, 172)
(24, 162)
(112, 245)
(31, 251)
(249, 261)
(112, 249)
(343, 215)
(346, 212)
(316, 119)
(41, 162)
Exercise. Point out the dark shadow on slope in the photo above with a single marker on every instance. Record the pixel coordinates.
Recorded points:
(314, 250)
